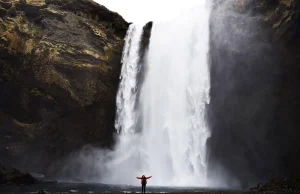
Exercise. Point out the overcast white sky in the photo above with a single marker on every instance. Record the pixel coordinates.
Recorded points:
(141, 11)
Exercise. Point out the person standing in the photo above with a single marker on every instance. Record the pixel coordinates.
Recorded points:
(144, 182)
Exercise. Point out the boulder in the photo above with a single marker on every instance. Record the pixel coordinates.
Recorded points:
(14, 176)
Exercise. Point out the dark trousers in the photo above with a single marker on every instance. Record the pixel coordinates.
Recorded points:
(143, 188)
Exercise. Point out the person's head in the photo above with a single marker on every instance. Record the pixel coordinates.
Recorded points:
(143, 176)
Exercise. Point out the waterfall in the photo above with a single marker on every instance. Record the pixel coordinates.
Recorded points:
(163, 132)
(125, 159)
(126, 97)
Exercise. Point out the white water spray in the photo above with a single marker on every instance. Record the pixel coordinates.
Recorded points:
(170, 142)
(126, 97)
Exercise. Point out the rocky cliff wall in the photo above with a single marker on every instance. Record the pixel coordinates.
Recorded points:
(255, 101)
(59, 73)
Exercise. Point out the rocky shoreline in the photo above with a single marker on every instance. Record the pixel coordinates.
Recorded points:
(291, 185)
(12, 176)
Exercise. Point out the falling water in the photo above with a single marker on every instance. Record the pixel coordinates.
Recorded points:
(126, 97)
(125, 159)
(170, 142)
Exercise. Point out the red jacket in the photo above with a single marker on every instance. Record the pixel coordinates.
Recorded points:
(144, 180)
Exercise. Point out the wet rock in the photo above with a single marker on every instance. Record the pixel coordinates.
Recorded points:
(3, 12)
(42, 192)
(12, 11)
(22, 1)
(5, 5)
(251, 50)
(291, 185)
(14, 176)
(146, 38)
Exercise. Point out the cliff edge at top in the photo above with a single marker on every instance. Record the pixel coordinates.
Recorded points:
(60, 62)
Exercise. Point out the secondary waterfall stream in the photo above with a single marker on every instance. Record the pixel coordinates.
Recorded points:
(162, 128)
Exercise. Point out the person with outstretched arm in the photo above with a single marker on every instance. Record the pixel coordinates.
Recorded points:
(144, 182)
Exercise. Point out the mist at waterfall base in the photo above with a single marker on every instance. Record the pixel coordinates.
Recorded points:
(163, 129)
(161, 117)
(247, 143)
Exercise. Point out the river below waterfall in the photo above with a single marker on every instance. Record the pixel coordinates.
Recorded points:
(59, 187)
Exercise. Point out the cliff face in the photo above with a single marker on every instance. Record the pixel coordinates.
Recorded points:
(59, 72)
(254, 106)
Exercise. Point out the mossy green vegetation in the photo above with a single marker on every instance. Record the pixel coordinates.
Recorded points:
(18, 35)
(279, 14)
(284, 18)
(36, 2)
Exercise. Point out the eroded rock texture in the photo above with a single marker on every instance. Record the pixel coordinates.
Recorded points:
(59, 73)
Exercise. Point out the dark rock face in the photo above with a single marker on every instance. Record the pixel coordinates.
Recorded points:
(278, 186)
(144, 46)
(255, 104)
(14, 176)
(59, 73)
(145, 39)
